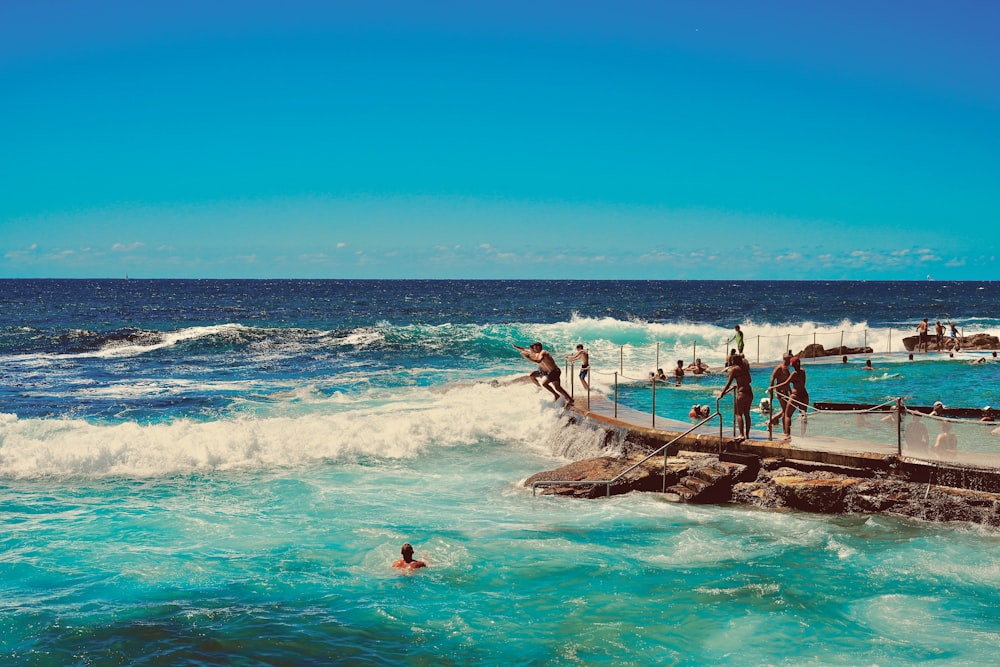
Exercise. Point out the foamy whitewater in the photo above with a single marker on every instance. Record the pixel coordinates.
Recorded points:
(221, 472)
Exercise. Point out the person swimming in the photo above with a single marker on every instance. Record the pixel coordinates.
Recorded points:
(407, 562)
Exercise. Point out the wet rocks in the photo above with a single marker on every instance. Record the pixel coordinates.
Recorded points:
(832, 493)
(772, 484)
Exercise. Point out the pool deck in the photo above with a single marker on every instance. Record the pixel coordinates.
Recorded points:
(816, 449)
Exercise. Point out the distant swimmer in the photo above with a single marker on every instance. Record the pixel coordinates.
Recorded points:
(584, 356)
(407, 562)
(946, 442)
(917, 438)
(547, 369)
(868, 365)
(698, 368)
(679, 371)
(659, 376)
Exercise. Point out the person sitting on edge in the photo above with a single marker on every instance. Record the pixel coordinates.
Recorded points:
(407, 562)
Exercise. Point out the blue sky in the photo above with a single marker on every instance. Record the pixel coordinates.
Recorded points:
(637, 139)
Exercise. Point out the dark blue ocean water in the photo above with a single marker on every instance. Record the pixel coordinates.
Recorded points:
(200, 472)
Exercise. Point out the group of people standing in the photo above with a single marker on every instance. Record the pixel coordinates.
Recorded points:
(788, 381)
(923, 336)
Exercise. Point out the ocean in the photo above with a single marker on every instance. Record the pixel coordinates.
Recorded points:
(221, 472)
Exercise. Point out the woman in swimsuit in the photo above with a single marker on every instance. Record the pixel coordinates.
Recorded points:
(740, 375)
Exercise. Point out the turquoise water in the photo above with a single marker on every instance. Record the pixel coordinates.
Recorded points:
(226, 480)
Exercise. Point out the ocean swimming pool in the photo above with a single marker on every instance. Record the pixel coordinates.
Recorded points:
(953, 380)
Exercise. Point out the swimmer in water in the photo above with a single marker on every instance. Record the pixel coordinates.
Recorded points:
(407, 562)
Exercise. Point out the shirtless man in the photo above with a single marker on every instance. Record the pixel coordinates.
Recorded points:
(679, 371)
(778, 376)
(922, 335)
(549, 370)
(798, 397)
(407, 562)
(584, 356)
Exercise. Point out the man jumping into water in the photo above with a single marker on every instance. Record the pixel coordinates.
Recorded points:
(548, 367)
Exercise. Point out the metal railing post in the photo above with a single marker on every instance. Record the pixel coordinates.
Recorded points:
(770, 416)
(654, 401)
(570, 365)
(899, 426)
(616, 395)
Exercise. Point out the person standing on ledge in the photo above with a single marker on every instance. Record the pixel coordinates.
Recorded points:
(740, 374)
(584, 356)
(922, 335)
(407, 562)
(738, 339)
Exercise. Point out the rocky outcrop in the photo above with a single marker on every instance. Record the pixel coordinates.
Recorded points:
(829, 492)
(978, 341)
(815, 350)
(648, 476)
(773, 484)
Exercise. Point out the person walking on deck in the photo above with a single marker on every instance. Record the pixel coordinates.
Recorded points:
(738, 339)
(798, 397)
(778, 376)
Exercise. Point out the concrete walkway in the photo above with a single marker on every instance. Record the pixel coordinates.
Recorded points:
(819, 448)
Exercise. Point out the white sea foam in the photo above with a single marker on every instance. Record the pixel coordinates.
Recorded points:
(390, 424)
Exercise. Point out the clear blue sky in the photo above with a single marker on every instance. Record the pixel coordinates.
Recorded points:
(629, 139)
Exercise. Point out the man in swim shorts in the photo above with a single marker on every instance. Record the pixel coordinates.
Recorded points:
(549, 369)
(584, 356)
(922, 335)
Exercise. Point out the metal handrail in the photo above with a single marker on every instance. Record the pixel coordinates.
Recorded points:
(662, 448)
